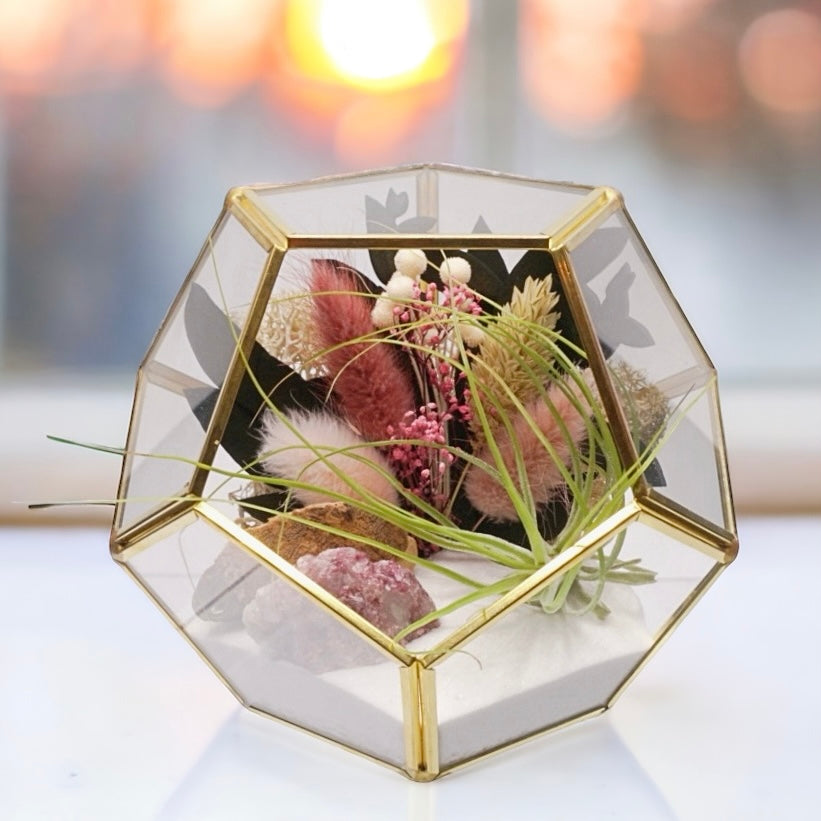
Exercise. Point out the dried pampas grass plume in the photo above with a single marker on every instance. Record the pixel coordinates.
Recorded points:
(561, 420)
(371, 389)
(322, 451)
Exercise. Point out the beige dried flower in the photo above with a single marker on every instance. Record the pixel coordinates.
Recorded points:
(511, 350)
(287, 332)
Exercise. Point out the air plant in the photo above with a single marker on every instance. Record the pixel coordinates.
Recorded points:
(473, 424)
(453, 400)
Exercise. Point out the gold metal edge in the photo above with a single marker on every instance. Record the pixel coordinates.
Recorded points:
(143, 534)
(257, 220)
(118, 532)
(236, 369)
(182, 632)
(437, 241)
(348, 748)
(410, 168)
(583, 220)
(720, 444)
(525, 739)
(420, 725)
(285, 570)
(533, 585)
(613, 409)
(205, 250)
(158, 534)
(669, 517)
(669, 626)
(239, 697)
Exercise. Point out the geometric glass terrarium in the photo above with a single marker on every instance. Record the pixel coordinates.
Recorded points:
(425, 461)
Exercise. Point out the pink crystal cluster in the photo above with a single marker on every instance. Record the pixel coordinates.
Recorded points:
(384, 592)
(288, 627)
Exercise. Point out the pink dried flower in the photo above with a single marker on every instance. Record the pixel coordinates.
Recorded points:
(323, 452)
(561, 423)
(370, 387)
(419, 456)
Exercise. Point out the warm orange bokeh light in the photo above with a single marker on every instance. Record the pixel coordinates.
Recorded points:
(374, 45)
(693, 76)
(31, 35)
(667, 16)
(212, 48)
(62, 46)
(364, 59)
(580, 61)
(780, 61)
(365, 72)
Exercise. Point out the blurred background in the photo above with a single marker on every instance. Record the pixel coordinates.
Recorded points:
(124, 122)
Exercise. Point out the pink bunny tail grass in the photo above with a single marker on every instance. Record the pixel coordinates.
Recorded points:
(371, 390)
(561, 425)
(332, 449)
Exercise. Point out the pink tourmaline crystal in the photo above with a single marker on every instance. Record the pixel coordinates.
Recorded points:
(384, 592)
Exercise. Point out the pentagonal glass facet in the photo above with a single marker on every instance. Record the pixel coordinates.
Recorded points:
(529, 671)
(658, 367)
(279, 652)
(435, 414)
(186, 365)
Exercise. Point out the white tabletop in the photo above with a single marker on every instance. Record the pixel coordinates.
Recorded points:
(105, 713)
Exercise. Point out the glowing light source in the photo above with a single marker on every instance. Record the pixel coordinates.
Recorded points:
(372, 45)
(373, 40)
(780, 61)
(365, 71)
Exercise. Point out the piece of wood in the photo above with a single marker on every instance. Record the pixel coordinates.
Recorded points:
(300, 532)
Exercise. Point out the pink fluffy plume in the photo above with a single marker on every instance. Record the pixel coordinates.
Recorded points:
(370, 387)
(560, 423)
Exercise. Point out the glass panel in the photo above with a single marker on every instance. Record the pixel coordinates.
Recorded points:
(506, 205)
(531, 670)
(338, 205)
(664, 380)
(184, 367)
(633, 312)
(282, 653)
(164, 424)
(691, 458)
(417, 200)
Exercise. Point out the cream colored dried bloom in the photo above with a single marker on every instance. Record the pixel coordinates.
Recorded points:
(287, 332)
(511, 350)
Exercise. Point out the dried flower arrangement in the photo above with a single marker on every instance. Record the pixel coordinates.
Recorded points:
(448, 398)
(398, 494)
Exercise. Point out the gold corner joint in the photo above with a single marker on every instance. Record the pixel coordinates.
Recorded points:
(244, 204)
(420, 723)
(666, 516)
(596, 207)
